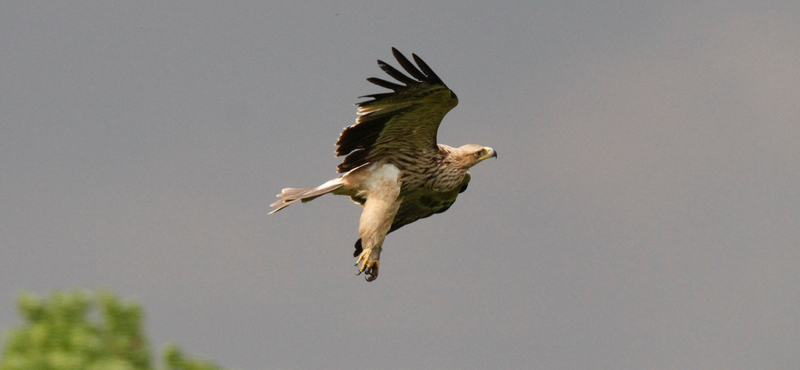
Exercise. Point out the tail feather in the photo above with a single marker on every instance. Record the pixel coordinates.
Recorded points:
(290, 195)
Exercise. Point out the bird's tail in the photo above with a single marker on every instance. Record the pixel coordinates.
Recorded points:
(290, 195)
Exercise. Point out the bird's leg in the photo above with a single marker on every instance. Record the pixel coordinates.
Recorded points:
(370, 262)
(370, 255)
(381, 206)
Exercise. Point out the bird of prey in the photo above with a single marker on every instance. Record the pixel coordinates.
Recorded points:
(394, 167)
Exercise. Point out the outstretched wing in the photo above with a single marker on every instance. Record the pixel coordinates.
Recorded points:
(397, 123)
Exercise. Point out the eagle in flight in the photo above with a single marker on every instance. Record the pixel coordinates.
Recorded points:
(393, 166)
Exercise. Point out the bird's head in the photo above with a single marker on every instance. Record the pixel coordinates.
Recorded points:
(472, 154)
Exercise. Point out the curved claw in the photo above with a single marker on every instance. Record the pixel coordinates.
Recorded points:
(369, 266)
(372, 270)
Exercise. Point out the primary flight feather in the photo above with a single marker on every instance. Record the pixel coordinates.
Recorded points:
(393, 165)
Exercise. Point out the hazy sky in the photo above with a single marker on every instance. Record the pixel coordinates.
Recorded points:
(644, 211)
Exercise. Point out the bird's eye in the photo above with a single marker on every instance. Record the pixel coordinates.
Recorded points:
(480, 153)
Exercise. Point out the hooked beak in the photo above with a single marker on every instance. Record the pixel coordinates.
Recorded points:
(490, 153)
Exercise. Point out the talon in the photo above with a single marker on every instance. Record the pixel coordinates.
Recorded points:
(369, 266)
(363, 259)
(372, 271)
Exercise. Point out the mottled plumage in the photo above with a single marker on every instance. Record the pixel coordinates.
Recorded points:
(393, 165)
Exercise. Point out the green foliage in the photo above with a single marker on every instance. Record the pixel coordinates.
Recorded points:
(75, 331)
(174, 360)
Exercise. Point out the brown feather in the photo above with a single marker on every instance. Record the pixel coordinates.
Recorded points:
(393, 166)
(402, 121)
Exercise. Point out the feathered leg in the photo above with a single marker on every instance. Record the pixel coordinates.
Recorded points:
(376, 219)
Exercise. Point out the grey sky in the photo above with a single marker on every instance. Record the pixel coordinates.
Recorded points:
(644, 212)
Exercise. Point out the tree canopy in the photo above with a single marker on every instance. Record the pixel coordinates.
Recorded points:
(81, 331)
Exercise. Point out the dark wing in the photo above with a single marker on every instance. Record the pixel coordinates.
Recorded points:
(403, 121)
